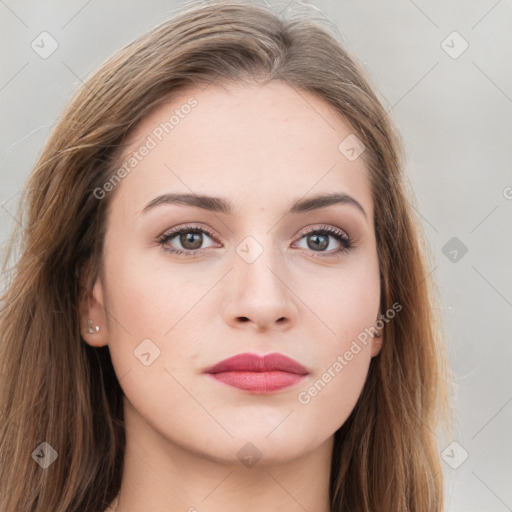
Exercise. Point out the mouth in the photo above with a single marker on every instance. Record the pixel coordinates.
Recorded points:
(258, 374)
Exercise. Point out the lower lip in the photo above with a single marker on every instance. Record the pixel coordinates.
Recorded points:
(260, 382)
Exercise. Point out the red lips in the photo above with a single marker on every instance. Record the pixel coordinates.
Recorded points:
(253, 363)
(257, 374)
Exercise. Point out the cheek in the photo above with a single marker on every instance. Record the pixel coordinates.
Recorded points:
(348, 307)
(149, 322)
(349, 302)
(342, 360)
(330, 397)
(146, 299)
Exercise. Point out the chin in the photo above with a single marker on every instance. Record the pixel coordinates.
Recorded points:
(256, 448)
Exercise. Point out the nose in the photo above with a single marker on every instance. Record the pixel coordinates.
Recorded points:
(260, 296)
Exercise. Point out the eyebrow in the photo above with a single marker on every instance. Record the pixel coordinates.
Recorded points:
(222, 205)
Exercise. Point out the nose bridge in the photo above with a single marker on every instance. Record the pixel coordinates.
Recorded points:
(259, 263)
(258, 283)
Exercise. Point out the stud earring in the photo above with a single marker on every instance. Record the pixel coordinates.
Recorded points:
(377, 335)
(90, 329)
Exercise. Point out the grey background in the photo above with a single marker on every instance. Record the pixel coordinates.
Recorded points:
(455, 115)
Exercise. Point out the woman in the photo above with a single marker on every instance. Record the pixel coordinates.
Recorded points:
(222, 299)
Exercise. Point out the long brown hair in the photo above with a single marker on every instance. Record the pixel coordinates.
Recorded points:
(57, 389)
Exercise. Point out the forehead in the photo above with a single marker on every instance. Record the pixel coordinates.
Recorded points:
(255, 144)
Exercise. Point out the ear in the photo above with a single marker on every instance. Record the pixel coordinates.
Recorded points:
(377, 344)
(93, 317)
(377, 340)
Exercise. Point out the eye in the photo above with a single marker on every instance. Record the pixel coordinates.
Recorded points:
(317, 240)
(189, 237)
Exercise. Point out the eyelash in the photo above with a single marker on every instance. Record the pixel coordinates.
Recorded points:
(343, 238)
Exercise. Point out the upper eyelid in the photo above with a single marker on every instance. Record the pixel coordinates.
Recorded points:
(303, 232)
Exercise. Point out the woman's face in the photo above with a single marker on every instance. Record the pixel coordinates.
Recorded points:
(260, 277)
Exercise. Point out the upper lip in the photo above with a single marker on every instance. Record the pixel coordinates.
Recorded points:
(255, 363)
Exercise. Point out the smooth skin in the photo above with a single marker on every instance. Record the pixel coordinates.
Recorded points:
(260, 147)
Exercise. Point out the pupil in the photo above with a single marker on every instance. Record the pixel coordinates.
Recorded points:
(186, 238)
(323, 244)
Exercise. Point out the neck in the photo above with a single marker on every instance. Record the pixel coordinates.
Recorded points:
(160, 475)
